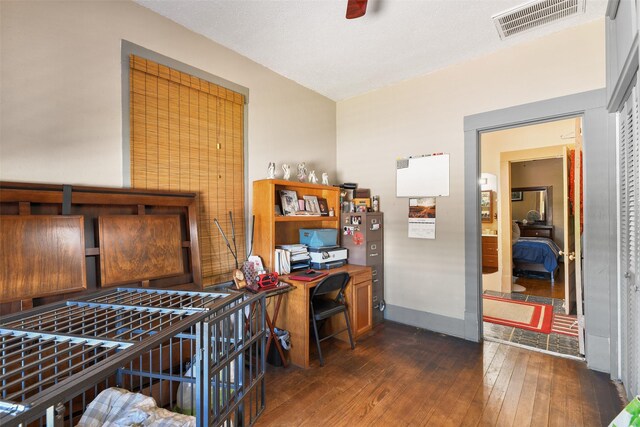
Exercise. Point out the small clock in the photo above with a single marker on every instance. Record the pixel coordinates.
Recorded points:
(239, 279)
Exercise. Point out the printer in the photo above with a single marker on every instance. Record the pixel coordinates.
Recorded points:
(323, 249)
(327, 257)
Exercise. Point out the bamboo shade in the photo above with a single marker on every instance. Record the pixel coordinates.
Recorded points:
(187, 135)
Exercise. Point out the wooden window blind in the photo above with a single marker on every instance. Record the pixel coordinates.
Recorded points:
(187, 135)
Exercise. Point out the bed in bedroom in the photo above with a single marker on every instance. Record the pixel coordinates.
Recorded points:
(536, 256)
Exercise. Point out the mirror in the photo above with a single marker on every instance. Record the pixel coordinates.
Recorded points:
(486, 206)
(530, 205)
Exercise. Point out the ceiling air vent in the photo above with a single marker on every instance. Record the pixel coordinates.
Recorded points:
(535, 14)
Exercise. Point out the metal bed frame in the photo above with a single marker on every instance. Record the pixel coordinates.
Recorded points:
(54, 360)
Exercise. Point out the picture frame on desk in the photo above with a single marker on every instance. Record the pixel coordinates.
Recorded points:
(289, 201)
(323, 206)
(311, 205)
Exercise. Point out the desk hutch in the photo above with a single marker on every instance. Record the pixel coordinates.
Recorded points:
(271, 230)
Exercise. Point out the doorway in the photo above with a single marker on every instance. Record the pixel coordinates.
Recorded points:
(527, 298)
(599, 237)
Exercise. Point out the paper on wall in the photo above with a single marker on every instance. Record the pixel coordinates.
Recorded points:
(422, 218)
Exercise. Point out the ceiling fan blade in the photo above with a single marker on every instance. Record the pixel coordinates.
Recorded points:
(356, 8)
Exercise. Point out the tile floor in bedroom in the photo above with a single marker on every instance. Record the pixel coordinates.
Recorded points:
(557, 343)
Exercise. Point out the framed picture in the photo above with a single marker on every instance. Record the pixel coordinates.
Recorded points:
(516, 196)
(289, 201)
(311, 204)
(324, 207)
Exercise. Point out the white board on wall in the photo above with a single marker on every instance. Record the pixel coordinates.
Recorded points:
(425, 176)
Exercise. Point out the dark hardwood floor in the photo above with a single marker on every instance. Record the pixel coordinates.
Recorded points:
(538, 287)
(543, 287)
(400, 375)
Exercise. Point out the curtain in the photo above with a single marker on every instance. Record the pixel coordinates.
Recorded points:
(187, 135)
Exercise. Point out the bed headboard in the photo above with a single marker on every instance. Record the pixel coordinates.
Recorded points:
(56, 240)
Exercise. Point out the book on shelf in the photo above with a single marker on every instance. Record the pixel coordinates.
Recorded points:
(304, 213)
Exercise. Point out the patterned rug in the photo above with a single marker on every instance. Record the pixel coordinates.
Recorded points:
(565, 325)
(519, 314)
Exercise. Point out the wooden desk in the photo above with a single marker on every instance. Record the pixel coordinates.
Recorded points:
(294, 314)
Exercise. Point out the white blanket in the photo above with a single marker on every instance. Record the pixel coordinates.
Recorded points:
(119, 407)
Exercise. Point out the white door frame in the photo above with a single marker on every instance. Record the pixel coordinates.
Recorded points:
(600, 214)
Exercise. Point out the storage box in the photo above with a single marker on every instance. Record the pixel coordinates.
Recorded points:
(362, 202)
(319, 237)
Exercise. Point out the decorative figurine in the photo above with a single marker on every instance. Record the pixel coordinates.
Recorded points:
(312, 177)
(325, 178)
(302, 172)
(286, 170)
(271, 171)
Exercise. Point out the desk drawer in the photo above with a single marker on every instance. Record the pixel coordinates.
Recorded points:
(536, 232)
(364, 276)
(490, 261)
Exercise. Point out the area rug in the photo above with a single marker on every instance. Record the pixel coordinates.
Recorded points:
(565, 325)
(531, 316)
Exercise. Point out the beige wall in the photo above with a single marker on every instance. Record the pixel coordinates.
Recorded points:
(61, 113)
(425, 115)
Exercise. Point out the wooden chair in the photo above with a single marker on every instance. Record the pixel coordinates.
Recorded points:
(324, 307)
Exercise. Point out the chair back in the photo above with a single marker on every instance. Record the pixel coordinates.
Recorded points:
(331, 283)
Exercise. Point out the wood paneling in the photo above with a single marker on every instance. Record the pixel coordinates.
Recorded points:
(404, 376)
(41, 255)
(139, 248)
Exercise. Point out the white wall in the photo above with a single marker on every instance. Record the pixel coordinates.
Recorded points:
(425, 115)
(61, 113)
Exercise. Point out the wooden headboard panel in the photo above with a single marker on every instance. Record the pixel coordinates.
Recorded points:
(139, 248)
(41, 255)
(59, 239)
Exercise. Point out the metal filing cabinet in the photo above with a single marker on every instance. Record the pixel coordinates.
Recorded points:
(362, 235)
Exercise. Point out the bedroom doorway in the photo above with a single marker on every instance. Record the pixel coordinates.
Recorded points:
(529, 244)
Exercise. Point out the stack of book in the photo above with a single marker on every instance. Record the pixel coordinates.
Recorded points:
(290, 258)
